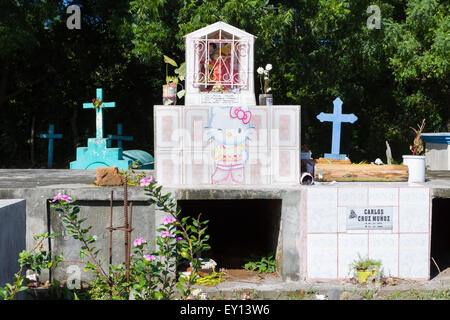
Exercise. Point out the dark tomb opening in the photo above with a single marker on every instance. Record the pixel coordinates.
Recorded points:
(440, 236)
(238, 229)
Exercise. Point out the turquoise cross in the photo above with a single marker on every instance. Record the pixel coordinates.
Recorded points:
(50, 136)
(119, 137)
(99, 112)
(337, 118)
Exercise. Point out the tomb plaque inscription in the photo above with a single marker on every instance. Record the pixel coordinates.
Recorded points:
(226, 99)
(369, 218)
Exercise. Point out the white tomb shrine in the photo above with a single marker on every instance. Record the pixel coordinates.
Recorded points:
(219, 66)
(220, 135)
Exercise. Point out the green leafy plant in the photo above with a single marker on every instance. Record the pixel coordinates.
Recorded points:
(365, 264)
(133, 177)
(36, 260)
(189, 234)
(180, 74)
(261, 264)
(151, 274)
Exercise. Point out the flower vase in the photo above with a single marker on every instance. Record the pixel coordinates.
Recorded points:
(170, 94)
(416, 168)
(265, 99)
(364, 274)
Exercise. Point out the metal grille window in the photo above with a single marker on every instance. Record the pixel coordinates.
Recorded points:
(220, 62)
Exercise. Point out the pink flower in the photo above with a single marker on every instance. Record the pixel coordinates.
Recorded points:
(179, 239)
(165, 234)
(146, 181)
(62, 197)
(139, 241)
(149, 257)
(133, 255)
(168, 220)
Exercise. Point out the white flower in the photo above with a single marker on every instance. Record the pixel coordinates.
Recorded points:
(266, 72)
(209, 264)
(196, 292)
(95, 238)
(269, 67)
(268, 89)
(203, 296)
(320, 297)
(260, 70)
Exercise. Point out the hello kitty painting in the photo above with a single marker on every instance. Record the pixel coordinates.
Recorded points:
(229, 129)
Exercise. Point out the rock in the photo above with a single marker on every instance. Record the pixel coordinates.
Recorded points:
(334, 294)
(108, 176)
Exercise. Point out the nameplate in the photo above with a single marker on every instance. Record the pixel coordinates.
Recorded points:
(220, 98)
(369, 218)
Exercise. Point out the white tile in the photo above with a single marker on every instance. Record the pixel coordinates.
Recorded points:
(197, 167)
(350, 245)
(259, 137)
(285, 166)
(195, 121)
(384, 247)
(383, 196)
(257, 167)
(414, 195)
(352, 197)
(285, 131)
(168, 130)
(322, 209)
(319, 264)
(414, 217)
(169, 167)
(414, 256)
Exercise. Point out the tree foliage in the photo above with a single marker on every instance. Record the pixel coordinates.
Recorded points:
(391, 78)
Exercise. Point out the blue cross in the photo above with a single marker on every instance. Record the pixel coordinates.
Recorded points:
(119, 137)
(99, 112)
(50, 136)
(337, 118)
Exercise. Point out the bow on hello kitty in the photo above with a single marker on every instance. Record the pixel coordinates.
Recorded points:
(244, 116)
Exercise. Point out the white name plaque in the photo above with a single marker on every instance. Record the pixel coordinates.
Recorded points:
(369, 218)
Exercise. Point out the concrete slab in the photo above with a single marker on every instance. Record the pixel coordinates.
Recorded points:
(12, 237)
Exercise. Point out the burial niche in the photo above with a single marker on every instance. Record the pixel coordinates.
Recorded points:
(238, 229)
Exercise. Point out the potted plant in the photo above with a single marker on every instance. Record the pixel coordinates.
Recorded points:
(170, 93)
(266, 97)
(365, 267)
(416, 161)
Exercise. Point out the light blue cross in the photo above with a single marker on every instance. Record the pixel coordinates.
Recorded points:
(119, 137)
(99, 112)
(50, 136)
(337, 118)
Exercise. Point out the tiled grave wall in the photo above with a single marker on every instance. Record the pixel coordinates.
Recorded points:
(185, 156)
(330, 248)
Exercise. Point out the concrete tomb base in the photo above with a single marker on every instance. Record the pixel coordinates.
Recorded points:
(305, 227)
